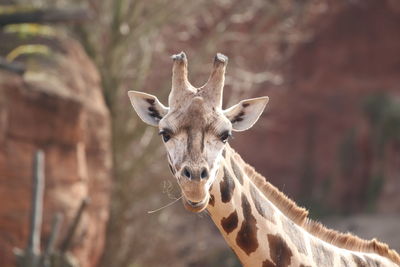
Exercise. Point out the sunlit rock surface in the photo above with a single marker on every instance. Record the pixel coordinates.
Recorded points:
(57, 106)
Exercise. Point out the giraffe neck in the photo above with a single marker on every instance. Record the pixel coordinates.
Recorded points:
(260, 234)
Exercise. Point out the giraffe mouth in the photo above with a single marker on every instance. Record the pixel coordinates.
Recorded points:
(195, 206)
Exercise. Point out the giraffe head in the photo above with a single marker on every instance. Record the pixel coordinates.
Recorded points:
(195, 128)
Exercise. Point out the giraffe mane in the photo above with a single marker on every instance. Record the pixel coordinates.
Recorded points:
(300, 217)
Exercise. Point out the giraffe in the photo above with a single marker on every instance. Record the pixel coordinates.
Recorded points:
(262, 226)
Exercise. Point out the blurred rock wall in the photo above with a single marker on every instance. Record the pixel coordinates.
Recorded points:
(56, 106)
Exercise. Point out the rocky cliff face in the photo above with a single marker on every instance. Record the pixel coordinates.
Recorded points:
(57, 106)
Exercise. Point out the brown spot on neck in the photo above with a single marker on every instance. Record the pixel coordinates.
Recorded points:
(279, 251)
(263, 207)
(344, 262)
(322, 255)
(371, 262)
(227, 186)
(295, 235)
(247, 235)
(358, 261)
(268, 263)
(230, 223)
(212, 200)
(237, 171)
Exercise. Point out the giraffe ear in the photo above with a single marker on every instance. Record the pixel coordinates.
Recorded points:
(244, 114)
(148, 107)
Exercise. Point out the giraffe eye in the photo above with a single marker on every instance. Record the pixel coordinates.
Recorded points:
(225, 136)
(165, 134)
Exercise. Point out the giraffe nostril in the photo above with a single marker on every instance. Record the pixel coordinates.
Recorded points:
(186, 172)
(204, 173)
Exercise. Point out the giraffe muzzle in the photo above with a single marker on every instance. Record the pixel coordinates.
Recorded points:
(195, 206)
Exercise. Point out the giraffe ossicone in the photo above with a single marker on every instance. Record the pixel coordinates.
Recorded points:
(261, 225)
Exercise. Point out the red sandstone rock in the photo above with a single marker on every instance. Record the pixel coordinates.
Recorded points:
(57, 107)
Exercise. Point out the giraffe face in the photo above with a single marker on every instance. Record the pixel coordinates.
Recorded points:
(195, 128)
(194, 137)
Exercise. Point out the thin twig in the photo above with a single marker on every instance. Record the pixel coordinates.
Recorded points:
(166, 206)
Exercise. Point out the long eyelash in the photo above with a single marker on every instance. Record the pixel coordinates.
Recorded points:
(165, 131)
(226, 132)
(224, 137)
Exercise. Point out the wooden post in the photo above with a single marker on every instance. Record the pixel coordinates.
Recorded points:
(31, 256)
(37, 203)
(71, 230)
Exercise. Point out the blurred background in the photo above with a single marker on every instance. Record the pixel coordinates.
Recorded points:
(330, 136)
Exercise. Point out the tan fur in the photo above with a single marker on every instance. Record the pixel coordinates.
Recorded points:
(299, 216)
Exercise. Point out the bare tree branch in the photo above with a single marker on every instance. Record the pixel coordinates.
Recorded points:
(45, 16)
